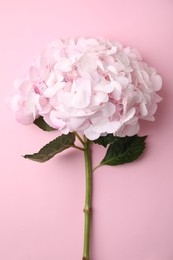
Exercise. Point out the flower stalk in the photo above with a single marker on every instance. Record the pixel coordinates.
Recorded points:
(88, 198)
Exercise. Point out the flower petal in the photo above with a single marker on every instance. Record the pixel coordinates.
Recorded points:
(90, 134)
(56, 122)
(156, 82)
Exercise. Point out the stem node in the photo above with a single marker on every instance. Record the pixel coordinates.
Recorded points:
(87, 210)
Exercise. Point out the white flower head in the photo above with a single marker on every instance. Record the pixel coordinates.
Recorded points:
(91, 86)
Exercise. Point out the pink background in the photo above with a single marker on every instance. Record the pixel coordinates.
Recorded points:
(41, 205)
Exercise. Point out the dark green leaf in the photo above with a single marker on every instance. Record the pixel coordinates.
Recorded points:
(42, 124)
(58, 145)
(105, 140)
(124, 150)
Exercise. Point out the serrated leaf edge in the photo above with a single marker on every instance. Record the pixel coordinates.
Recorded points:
(51, 155)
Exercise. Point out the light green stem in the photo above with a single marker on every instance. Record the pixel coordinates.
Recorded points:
(79, 138)
(88, 196)
(77, 147)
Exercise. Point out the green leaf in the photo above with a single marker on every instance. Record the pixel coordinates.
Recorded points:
(105, 140)
(56, 146)
(42, 124)
(124, 150)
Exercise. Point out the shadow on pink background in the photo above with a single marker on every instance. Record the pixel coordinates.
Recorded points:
(41, 215)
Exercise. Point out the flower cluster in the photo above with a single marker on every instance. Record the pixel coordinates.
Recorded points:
(91, 86)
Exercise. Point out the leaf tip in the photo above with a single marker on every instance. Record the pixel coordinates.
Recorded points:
(25, 156)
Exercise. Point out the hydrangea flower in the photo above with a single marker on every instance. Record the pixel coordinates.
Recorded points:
(92, 86)
(93, 91)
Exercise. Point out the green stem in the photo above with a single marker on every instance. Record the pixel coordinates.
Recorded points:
(78, 147)
(88, 196)
(79, 138)
(96, 167)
